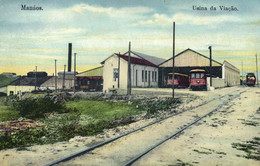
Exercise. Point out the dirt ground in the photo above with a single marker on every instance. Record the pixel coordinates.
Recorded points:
(207, 143)
(210, 142)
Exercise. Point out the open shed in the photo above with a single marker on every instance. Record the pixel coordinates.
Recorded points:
(190, 59)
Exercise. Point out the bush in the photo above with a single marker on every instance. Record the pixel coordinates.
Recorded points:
(21, 138)
(65, 126)
(153, 106)
(37, 107)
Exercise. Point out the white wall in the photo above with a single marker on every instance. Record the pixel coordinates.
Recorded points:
(50, 83)
(112, 63)
(231, 74)
(109, 65)
(19, 89)
(216, 82)
(140, 82)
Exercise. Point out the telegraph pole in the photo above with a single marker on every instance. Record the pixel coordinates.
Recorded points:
(242, 73)
(63, 83)
(210, 65)
(173, 58)
(118, 83)
(55, 75)
(35, 80)
(129, 71)
(256, 68)
(74, 89)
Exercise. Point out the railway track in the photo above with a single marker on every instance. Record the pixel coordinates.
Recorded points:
(192, 119)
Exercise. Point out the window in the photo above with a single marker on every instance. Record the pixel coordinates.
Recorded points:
(115, 74)
(11, 93)
(155, 76)
(192, 75)
(202, 75)
(142, 75)
(152, 76)
(197, 75)
(145, 76)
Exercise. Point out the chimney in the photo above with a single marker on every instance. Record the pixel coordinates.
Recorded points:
(69, 57)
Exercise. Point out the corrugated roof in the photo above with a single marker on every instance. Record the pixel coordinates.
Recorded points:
(152, 59)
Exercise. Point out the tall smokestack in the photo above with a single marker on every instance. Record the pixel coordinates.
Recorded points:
(69, 57)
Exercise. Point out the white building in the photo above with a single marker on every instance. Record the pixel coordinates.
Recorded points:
(144, 71)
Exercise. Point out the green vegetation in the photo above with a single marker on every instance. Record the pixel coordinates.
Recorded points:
(103, 110)
(41, 120)
(153, 106)
(5, 80)
(251, 148)
(37, 107)
(6, 111)
(202, 152)
(208, 151)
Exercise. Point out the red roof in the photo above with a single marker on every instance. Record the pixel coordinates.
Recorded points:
(90, 78)
(138, 61)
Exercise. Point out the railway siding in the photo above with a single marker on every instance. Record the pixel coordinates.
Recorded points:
(216, 140)
(126, 148)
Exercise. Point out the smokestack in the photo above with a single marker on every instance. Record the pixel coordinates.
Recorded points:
(69, 57)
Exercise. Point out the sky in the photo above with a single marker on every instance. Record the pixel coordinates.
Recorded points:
(99, 28)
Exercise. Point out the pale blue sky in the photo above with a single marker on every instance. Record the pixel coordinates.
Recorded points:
(98, 28)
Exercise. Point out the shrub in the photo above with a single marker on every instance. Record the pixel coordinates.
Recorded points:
(21, 138)
(153, 106)
(37, 107)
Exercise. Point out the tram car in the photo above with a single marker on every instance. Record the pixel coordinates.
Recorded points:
(198, 79)
(250, 79)
(90, 83)
(180, 80)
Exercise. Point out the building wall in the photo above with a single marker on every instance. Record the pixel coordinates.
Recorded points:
(189, 58)
(231, 74)
(3, 89)
(69, 83)
(109, 65)
(216, 82)
(138, 81)
(18, 89)
(108, 74)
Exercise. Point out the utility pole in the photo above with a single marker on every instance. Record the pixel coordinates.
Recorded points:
(129, 71)
(35, 79)
(118, 83)
(55, 76)
(63, 83)
(210, 65)
(173, 58)
(242, 73)
(256, 68)
(74, 89)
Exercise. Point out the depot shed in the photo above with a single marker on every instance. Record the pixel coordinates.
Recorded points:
(224, 74)
(90, 80)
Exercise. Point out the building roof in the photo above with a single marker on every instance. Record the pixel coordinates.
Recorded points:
(152, 59)
(138, 61)
(30, 81)
(98, 71)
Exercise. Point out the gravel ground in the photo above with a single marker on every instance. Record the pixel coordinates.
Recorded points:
(42, 154)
